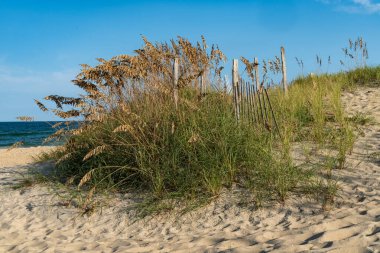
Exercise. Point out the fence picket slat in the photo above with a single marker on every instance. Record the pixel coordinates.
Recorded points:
(252, 101)
(247, 101)
(241, 97)
(273, 116)
(266, 124)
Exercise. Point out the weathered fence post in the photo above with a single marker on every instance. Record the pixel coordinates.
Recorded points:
(257, 77)
(175, 81)
(204, 81)
(203, 84)
(284, 80)
(235, 85)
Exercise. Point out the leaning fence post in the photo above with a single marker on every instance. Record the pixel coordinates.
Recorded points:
(235, 85)
(283, 61)
(175, 81)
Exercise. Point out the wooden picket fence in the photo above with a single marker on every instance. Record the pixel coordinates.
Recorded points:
(250, 99)
(252, 105)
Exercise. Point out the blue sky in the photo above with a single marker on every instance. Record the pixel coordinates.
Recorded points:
(42, 42)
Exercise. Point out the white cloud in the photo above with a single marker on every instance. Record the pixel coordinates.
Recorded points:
(355, 6)
(368, 5)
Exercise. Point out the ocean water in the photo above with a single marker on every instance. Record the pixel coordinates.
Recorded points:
(30, 133)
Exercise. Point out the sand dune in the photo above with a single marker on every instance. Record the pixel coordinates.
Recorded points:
(31, 220)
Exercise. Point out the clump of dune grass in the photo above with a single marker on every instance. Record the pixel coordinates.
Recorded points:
(189, 153)
(133, 136)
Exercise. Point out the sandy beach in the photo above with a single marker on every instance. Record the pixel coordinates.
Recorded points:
(31, 219)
